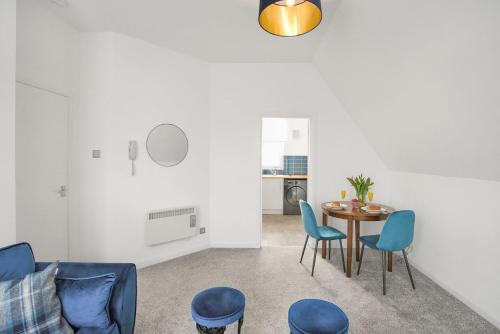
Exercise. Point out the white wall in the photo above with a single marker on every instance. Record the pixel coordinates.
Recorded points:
(300, 145)
(90, 197)
(7, 121)
(46, 49)
(278, 140)
(241, 94)
(456, 235)
(127, 87)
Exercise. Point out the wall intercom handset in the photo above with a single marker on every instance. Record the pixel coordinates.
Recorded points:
(132, 154)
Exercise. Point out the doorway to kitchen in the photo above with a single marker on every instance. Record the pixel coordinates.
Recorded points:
(285, 167)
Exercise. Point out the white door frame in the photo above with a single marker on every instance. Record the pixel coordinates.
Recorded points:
(46, 92)
(311, 159)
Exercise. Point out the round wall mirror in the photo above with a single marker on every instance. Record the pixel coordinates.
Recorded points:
(167, 145)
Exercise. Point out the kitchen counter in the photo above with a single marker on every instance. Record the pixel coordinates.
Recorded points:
(286, 177)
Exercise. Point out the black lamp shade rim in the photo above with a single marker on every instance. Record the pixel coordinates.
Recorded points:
(265, 3)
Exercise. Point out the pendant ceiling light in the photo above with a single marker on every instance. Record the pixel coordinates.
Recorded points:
(289, 17)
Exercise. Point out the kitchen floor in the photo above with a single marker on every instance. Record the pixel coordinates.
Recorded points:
(280, 230)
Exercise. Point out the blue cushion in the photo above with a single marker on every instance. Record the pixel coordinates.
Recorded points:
(122, 305)
(30, 305)
(113, 329)
(218, 307)
(85, 301)
(16, 261)
(314, 316)
(370, 240)
(330, 233)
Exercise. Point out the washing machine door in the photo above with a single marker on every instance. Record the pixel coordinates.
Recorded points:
(294, 195)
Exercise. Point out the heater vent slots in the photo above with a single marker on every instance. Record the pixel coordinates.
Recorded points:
(171, 213)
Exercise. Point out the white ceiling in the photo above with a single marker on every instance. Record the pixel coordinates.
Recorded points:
(214, 30)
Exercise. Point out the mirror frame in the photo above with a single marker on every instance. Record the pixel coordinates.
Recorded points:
(185, 136)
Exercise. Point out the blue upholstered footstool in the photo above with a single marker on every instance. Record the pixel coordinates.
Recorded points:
(314, 316)
(213, 309)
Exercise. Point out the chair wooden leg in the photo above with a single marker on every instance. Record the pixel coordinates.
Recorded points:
(383, 272)
(304, 249)
(409, 270)
(314, 259)
(361, 258)
(329, 249)
(342, 254)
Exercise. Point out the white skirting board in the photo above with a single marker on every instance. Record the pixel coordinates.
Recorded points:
(457, 295)
(143, 263)
(234, 245)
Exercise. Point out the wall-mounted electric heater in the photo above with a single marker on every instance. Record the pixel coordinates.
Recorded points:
(168, 225)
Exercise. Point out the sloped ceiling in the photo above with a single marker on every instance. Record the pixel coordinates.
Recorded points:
(213, 30)
(422, 80)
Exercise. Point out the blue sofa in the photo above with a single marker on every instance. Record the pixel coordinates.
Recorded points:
(122, 305)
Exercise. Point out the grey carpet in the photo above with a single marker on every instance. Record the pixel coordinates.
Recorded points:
(272, 279)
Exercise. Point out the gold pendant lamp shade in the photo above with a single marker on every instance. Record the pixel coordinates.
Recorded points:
(289, 17)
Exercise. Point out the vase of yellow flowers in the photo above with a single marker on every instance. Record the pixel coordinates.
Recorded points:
(361, 185)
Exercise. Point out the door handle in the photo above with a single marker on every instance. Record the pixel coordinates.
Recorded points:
(62, 191)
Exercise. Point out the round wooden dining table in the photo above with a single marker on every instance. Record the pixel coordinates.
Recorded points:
(352, 215)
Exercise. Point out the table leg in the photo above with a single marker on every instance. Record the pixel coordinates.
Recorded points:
(323, 243)
(349, 247)
(357, 239)
(389, 262)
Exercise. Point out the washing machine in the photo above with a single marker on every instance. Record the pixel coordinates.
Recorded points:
(293, 192)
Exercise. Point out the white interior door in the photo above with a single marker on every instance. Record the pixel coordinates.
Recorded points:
(41, 171)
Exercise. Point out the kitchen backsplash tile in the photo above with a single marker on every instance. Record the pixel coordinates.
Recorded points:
(293, 165)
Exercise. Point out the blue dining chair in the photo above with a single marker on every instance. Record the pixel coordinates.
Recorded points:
(396, 235)
(319, 233)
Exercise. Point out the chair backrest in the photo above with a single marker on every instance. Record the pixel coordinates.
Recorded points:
(397, 233)
(308, 219)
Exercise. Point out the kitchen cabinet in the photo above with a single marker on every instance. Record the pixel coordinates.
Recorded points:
(272, 196)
